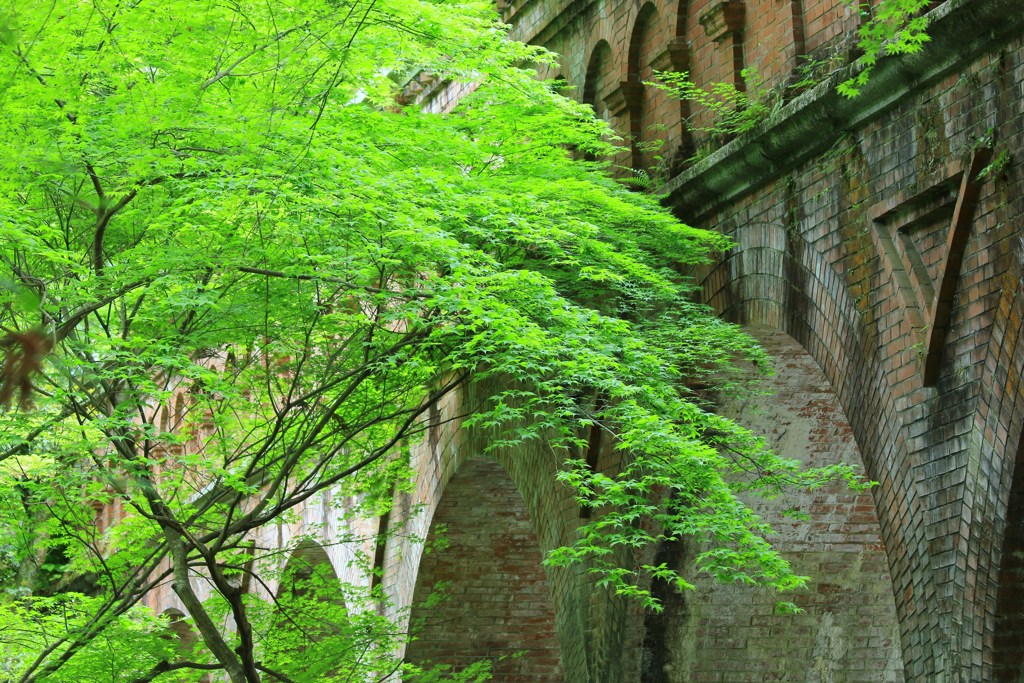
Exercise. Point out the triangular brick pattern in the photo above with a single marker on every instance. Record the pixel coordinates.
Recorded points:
(922, 239)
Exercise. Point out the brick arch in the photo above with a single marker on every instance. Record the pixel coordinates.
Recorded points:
(642, 101)
(550, 508)
(597, 78)
(849, 619)
(498, 604)
(775, 278)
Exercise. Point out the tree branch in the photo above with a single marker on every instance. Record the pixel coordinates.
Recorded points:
(224, 73)
(166, 667)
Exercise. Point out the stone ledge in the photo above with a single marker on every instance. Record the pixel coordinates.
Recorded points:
(960, 30)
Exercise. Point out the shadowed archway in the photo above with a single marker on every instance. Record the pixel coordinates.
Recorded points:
(1009, 619)
(848, 628)
(485, 596)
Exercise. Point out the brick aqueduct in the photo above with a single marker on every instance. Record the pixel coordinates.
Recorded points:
(879, 258)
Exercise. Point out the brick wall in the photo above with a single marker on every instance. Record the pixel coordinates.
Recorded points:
(822, 254)
(497, 605)
(848, 630)
(845, 223)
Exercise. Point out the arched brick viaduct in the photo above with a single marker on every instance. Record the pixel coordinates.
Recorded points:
(879, 258)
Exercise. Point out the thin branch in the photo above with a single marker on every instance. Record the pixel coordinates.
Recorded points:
(276, 674)
(224, 73)
(166, 667)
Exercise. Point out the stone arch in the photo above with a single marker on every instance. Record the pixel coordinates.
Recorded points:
(775, 278)
(598, 78)
(848, 630)
(498, 604)
(641, 101)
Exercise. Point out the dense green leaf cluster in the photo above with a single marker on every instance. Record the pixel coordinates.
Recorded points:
(894, 27)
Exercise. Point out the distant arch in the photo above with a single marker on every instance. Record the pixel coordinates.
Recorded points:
(498, 602)
(179, 411)
(309, 617)
(597, 79)
(309, 568)
(188, 640)
(643, 103)
(179, 627)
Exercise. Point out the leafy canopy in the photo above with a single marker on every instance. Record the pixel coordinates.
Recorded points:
(236, 274)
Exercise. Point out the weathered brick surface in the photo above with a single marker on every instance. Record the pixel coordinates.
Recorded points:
(590, 626)
(497, 603)
(848, 630)
(810, 262)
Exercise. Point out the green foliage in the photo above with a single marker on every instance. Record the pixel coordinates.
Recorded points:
(734, 110)
(895, 27)
(245, 274)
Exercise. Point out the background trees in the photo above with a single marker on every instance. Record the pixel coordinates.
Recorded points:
(223, 201)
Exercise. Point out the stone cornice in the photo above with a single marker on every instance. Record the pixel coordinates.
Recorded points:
(960, 31)
(627, 95)
(557, 20)
(723, 18)
(675, 56)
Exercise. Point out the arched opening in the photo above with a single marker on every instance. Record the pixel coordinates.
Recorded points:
(598, 78)
(309, 572)
(648, 107)
(485, 595)
(849, 623)
(681, 54)
(309, 618)
(1009, 623)
(179, 412)
(180, 629)
(562, 86)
